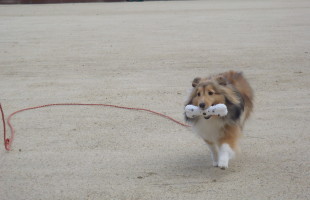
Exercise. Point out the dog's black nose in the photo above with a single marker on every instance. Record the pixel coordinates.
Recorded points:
(202, 105)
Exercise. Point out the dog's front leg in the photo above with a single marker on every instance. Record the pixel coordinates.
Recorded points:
(225, 154)
(214, 153)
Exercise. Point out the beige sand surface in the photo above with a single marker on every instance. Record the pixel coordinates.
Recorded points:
(146, 55)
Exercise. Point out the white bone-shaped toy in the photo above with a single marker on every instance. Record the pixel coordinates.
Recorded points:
(192, 111)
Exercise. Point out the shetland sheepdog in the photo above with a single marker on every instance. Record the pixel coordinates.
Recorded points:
(221, 134)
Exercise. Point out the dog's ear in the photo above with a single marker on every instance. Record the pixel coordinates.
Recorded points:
(196, 81)
(221, 80)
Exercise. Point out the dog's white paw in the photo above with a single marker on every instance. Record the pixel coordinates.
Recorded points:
(225, 154)
(223, 163)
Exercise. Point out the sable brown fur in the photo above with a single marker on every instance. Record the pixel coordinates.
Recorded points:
(229, 88)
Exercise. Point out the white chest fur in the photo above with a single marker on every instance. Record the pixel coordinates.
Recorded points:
(210, 130)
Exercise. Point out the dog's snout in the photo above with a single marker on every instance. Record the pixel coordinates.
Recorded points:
(202, 105)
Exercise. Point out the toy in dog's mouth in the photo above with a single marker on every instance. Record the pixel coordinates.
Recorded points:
(192, 111)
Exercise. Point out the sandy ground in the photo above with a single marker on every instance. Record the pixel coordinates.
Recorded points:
(146, 55)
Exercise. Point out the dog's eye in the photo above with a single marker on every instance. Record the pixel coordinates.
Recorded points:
(210, 93)
(198, 94)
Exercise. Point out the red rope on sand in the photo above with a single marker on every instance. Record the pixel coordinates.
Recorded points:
(8, 141)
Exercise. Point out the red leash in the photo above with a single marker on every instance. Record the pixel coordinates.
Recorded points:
(8, 141)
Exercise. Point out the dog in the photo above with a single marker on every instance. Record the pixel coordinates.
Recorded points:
(221, 134)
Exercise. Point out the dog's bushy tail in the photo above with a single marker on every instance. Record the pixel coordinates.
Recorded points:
(238, 80)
